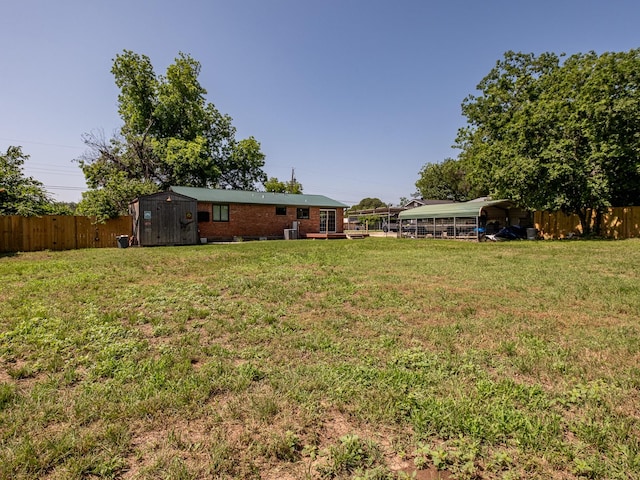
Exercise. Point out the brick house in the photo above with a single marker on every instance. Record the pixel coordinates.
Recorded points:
(226, 214)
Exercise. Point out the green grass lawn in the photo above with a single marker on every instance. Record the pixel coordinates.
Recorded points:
(370, 359)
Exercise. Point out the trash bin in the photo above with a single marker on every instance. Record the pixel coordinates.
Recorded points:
(532, 234)
(123, 241)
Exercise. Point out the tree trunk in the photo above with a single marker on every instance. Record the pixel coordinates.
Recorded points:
(597, 223)
(584, 214)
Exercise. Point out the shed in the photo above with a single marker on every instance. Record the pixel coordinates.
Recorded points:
(165, 218)
(464, 220)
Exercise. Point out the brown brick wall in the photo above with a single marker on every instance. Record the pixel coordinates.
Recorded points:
(253, 221)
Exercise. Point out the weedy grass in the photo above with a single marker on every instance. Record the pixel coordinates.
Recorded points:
(380, 358)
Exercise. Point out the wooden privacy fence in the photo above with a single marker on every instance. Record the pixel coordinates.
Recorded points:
(63, 232)
(618, 223)
(59, 232)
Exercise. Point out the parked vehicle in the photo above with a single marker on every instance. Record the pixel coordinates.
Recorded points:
(513, 232)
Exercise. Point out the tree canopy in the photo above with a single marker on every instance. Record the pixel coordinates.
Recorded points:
(369, 204)
(21, 195)
(170, 136)
(279, 186)
(446, 181)
(555, 135)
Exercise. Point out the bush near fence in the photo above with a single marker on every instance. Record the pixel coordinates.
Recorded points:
(617, 223)
(59, 232)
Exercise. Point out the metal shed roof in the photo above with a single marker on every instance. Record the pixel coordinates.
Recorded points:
(164, 195)
(472, 208)
(262, 198)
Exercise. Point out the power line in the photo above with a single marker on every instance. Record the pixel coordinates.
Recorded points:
(66, 187)
(41, 143)
(55, 172)
(63, 187)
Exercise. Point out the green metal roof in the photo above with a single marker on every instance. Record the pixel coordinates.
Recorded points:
(472, 208)
(262, 198)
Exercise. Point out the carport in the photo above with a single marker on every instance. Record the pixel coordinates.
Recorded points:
(464, 221)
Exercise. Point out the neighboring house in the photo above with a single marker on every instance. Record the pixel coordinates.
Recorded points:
(419, 202)
(464, 220)
(387, 216)
(223, 215)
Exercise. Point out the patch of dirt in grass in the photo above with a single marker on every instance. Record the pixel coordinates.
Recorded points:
(337, 425)
(174, 438)
(146, 329)
(430, 474)
(21, 373)
(205, 444)
(4, 375)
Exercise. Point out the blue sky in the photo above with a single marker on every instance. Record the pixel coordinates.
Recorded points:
(355, 95)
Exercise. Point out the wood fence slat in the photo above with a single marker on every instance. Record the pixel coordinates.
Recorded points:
(84, 232)
(59, 232)
(634, 222)
(617, 223)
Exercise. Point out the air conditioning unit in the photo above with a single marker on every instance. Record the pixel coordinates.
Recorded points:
(290, 234)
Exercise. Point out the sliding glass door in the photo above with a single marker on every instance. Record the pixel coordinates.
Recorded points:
(327, 221)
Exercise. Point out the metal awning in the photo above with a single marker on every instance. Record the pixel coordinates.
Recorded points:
(472, 208)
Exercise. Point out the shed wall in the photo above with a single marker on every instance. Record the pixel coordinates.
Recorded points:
(160, 222)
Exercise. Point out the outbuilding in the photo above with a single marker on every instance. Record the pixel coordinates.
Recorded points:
(165, 218)
(465, 220)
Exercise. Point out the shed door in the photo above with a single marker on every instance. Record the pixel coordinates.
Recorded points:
(169, 231)
(178, 225)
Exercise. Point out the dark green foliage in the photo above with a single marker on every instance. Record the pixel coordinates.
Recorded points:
(446, 181)
(20, 195)
(170, 136)
(278, 186)
(369, 204)
(557, 136)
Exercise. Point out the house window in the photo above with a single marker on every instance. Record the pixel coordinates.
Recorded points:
(303, 213)
(221, 213)
(203, 217)
(281, 210)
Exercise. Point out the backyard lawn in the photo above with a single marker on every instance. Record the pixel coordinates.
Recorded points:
(371, 359)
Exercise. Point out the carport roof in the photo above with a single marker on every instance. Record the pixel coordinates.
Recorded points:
(472, 208)
(262, 198)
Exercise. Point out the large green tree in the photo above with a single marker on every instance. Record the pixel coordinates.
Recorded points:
(555, 135)
(279, 186)
(19, 194)
(368, 203)
(170, 136)
(446, 181)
